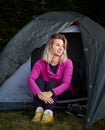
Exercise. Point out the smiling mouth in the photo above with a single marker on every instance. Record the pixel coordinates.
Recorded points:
(59, 51)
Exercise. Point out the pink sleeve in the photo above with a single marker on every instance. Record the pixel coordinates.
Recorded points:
(66, 81)
(32, 77)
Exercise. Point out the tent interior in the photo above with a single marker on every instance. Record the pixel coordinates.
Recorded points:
(76, 54)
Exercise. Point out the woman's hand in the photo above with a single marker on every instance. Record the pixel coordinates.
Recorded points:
(46, 97)
(47, 94)
(49, 101)
(41, 96)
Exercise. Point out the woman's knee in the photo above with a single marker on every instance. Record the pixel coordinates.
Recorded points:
(39, 80)
(41, 84)
(51, 84)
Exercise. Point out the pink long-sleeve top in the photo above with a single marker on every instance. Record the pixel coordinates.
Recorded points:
(62, 76)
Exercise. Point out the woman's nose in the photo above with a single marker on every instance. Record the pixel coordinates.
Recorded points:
(61, 48)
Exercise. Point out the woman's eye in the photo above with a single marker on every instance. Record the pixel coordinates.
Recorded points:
(57, 45)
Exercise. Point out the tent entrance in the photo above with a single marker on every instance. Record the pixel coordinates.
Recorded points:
(76, 54)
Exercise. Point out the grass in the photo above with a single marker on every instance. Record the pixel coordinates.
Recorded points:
(21, 120)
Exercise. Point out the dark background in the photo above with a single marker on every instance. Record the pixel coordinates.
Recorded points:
(14, 14)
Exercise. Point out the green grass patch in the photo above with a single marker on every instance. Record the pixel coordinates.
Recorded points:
(21, 120)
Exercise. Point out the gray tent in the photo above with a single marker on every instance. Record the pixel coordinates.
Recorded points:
(15, 58)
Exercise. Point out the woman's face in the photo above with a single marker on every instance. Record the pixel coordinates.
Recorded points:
(58, 47)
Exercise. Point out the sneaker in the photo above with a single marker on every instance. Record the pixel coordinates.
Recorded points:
(70, 110)
(76, 109)
(82, 111)
(47, 118)
(38, 116)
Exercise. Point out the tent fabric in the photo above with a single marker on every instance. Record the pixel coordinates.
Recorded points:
(73, 28)
(33, 35)
(14, 92)
(16, 85)
(36, 33)
(15, 88)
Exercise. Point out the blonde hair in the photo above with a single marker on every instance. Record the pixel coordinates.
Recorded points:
(47, 54)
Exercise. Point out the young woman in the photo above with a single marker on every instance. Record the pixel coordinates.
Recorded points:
(50, 77)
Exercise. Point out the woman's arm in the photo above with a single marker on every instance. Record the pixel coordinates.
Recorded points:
(32, 77)
(67, 77)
